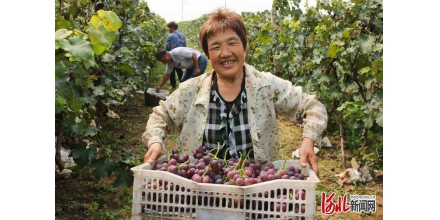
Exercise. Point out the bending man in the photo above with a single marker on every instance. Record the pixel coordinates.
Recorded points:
(183, 58)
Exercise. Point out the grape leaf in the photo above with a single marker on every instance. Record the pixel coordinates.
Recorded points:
(101, 39)
(88, 100)
(83, 2)
(99, 90)
(264, 38)
(75, 104)
(128, 158)
(124, 178)
(79, 50)
(60, 67)
(82, 154)
(90, 131)
(63, 86)
(378, 47)
(110, 20)
(367, 121)
(379, 118)
(367, 44)
(103, 167)
(317, 59)
(61, 23)
(332, 50)
(60, 104)
(62, 34)
(346, 33)
(365, 70)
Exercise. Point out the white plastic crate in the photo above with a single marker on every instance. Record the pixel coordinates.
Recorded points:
(163, 195)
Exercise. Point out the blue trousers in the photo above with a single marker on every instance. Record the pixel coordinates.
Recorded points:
(189, 73)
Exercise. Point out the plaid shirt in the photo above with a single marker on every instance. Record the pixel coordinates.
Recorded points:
(229, 128)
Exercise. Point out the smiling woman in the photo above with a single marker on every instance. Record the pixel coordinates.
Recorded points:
(235, 106)
(227, 55)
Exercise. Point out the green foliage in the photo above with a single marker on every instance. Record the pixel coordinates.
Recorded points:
(104, 51)
(333, 50)
(191, 30)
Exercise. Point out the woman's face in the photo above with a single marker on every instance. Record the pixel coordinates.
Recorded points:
(226, 54)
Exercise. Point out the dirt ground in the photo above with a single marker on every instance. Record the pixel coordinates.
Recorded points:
(330, 164)
(83, 197)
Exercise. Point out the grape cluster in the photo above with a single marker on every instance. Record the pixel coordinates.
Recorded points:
(208, 168)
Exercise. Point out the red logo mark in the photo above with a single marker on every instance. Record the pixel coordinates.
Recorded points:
(328, 207)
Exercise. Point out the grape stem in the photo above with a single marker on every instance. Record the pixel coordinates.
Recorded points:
(247, 156)
(182, 164)
(206, 170)
(218, 150)
(224, 158)
(241, 171)
(282, 166)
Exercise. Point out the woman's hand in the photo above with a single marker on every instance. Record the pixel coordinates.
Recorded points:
(153, 153)
(307, 154)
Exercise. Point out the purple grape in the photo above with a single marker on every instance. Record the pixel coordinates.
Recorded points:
(231, 174)
(271, 171)
(173, 169)
(239, 181)
(200, 172)
(283, 172)
(247, 182)
(183, 173)
(257, 172)
(253, 180)
(206, 179)
(197, 178)
(200, 166)
(176, 157)
(173, 162)
(207, 160)
(185, 167)
(257, 165)
(214, 164)
(199, 156)
(248, 172)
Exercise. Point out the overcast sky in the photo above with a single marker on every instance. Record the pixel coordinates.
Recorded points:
(171, 10)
